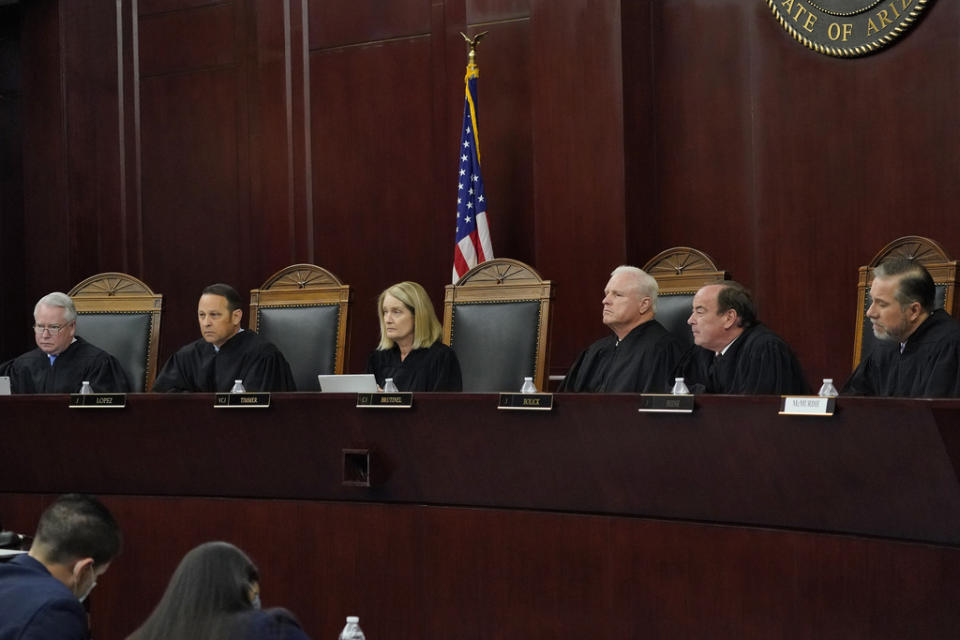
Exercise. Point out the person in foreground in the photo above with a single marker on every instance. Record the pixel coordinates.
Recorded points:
(41, 592)
(733, 352)
(918, 353)
(410, 350)
(641, 354)
(214, 594)
(225, 352)
(62, 360)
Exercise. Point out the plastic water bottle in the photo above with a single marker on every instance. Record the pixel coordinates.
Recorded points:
(352, 630)
(528, 386)
(238, 387)
(389, 387)
(85, 387)
(679, 387)
(828, 390)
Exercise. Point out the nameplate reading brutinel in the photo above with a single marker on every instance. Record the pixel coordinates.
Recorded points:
(807, 406)
(98, 400)
(242, 401)
(526, 401)
(666, 403)
(846, 28)
(402, 400)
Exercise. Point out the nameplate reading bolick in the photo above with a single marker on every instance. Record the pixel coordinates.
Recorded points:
(526, 401)
(666, 403)
(846, 28)
(402, 400)
(242, 401)
(807, 406)
(98, 400)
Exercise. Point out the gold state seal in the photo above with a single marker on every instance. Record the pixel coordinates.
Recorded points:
(847, 28)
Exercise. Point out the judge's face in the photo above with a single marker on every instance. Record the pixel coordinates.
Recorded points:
(217, 323)
(398, 320)
(710, 329)
(623, 306)
(48, 339)
(890, 321)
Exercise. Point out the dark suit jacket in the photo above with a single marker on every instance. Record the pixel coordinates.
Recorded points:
(36, 606)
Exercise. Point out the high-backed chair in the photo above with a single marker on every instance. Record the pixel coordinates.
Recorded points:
(302, 309)
(497, 319)
(121, 315)
(927, 252)
(679, 272)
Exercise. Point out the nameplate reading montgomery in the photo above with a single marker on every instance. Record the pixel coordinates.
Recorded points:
(402, 400)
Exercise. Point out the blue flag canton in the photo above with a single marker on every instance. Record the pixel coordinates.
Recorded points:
(471, 199)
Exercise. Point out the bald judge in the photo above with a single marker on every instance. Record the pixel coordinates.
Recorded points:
(225, 352)
(640, 354)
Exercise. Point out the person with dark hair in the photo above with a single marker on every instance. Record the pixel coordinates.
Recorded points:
(918, 349)
(225, 353)
(41, 592)
(214, 594)
(639, 354)
(62, 360)
(733, 352)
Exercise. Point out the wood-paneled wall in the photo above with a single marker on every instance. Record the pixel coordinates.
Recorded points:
(190, 141)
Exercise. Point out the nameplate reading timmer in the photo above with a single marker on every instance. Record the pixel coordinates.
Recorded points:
(242, 401)
(526, 401)
(807, 406)
(402, 400)
(98, 400)
(665, 403)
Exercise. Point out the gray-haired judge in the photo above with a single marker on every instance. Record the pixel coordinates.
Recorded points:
(62, 360)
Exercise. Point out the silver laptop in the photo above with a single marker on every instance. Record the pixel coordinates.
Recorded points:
(4, 385)
(348, 383)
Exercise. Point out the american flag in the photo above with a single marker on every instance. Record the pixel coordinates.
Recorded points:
(473, 244)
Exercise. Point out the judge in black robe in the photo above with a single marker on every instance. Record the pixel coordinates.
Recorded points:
(734, 353)
(640, 354)
(225, 353)
(917, 353)
(81, 361)
(410, 350)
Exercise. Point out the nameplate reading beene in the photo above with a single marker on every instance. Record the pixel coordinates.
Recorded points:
(665, 403)
(402, 400)
(242, 401)
(98, 400)
(807, 406)
(526, 401)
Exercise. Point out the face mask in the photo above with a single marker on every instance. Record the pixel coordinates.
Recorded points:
(256, 601)
(83, 596)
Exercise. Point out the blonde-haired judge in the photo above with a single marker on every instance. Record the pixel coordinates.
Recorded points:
(410, 350)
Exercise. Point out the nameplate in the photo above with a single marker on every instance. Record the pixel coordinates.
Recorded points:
(98, 400)
(807, 406)
(665, 403)
(402, 400)
(526, 401)
(242, 401)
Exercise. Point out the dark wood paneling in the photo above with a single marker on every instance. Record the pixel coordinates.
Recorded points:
(494, 11)
(184, 40)
(345, 22)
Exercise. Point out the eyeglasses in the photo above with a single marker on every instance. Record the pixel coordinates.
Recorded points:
(52, 329)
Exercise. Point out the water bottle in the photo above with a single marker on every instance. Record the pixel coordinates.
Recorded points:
(528, 386)
(352, 630)
(237, 387)
(828, 390)
(389, 386)
(679, 387)
(85, 387)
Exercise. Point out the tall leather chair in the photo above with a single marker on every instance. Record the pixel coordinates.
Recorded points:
(121, 315)
(497, 319)
(927, 252)
(679, 272)
(302, 309)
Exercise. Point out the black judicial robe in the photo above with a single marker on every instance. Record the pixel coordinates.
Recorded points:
(929, 366)
(433, 368)
(246, 356)
(758, 362)
(32, 373)
(641, 363)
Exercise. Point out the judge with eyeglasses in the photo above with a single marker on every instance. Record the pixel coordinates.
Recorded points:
(62, 360)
